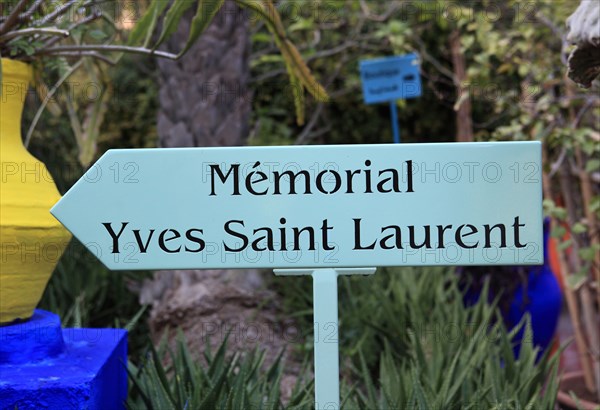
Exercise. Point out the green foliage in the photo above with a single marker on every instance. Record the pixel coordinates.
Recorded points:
(147, 23)
(411, 339)
(380, 309)
(333, 37)
(412, 343)
(299, 74)
(222, 382)
(205, 13)
(476, 375)
(81, 290)
(87, 30)
(452, 357)
(128, 97)
(132, 108)
(406, 334)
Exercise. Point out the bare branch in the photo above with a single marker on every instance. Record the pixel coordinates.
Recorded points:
(58, 12)
(53, 31)
(379, 18)
(107, 49)
(588, 104)
(49, 96)
(93, 54)
(29, 13)
(303, 137)
(555, 166)
(558, 32)
(81, 22)
(13, 17)
(426, 56)
(24, 17)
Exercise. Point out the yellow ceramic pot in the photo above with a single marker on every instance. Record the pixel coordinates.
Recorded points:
(31, 239)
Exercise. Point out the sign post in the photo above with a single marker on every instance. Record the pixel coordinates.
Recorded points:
(389, 79)
(326, 333)
(312, 210)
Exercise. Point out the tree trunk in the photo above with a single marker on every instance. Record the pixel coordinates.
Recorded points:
(204, 102)
(464, 123)
(203, 98)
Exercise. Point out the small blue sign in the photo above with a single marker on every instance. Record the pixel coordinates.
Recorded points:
(391, 78)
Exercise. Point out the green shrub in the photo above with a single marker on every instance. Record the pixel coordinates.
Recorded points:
(435, 352)
(428, 352)
(224, 382)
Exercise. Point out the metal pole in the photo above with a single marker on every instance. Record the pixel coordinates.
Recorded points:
(325, 306)
(395, 125)
(327, 361)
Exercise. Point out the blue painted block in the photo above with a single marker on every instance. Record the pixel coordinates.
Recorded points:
(72, 369)
(390, 78)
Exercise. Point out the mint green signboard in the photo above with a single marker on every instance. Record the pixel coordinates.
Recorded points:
(323, 211)
(311, 206)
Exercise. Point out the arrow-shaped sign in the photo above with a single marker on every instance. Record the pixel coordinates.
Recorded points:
(311, 206)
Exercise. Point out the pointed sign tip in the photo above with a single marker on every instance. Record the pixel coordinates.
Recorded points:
(55, 210)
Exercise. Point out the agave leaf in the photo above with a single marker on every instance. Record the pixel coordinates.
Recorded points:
(229, 399)
(297, 94)
(204, 14)
(135, 319)
(172, 19)
(552, 384)
(217, 362)
(260, 8)
(146, 25)
(186, 359)
(444, 395)
(392, 387)
(254, 366)
(239, 391)
(370, 387)
(273, 399)
(275, 368)
(301, 72)
(182, 373)
(418, 392)
(218, 382)
(302, 389)
(161, 376)
(137, 384)
(347, 396)
(160, 394)
(507, 353)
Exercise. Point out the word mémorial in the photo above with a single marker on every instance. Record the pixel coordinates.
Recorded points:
(329, 181)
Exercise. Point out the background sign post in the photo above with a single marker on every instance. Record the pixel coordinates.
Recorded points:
(395, 125)
(389, 79)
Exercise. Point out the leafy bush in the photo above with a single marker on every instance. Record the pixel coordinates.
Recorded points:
(227, 383)
(427, 351)
(459, 358)
(436, 353)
